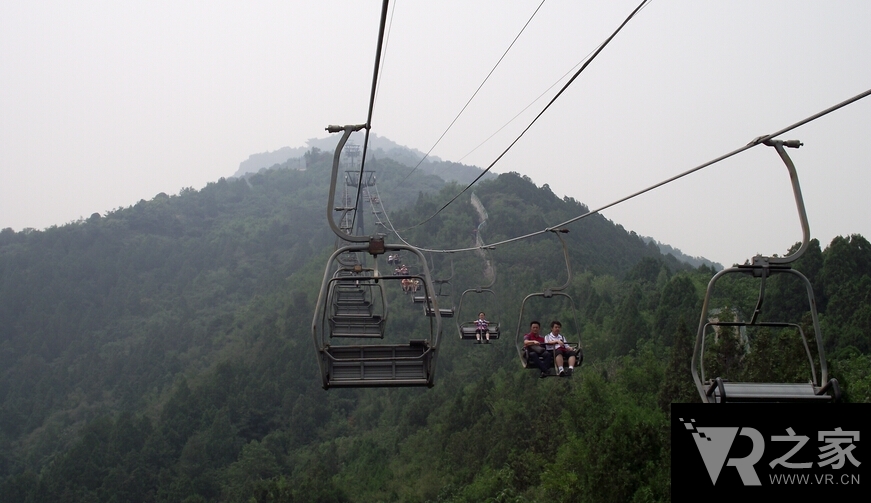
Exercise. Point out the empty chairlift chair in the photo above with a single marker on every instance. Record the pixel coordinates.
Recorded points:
(352, 309)
(443, 292)
(720, 390)
(353, 298)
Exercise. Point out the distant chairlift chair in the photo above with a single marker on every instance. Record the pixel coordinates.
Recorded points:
(467, 329)
(444, 289)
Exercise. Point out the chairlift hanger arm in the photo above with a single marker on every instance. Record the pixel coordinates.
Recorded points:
(486, 252)
(558, 233)
(799, 201)
(333, 179)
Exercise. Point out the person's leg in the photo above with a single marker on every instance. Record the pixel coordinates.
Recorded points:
(536, 360)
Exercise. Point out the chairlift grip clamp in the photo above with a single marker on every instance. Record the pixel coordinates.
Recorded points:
(785, 143)
(376, 246)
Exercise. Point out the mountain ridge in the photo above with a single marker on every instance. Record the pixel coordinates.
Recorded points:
(381, 147)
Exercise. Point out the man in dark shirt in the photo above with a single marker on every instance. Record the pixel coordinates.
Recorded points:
(533, 343)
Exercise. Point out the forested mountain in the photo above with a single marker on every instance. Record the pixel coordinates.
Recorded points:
(163, 352)
(379, 148)
(693, 261)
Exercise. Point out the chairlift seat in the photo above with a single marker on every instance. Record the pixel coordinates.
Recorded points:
(353, 310)
(420, 299)
(349, 260)
(445, 313)
(724, 391)
(527, 364)
(379, 366)
(355, 326)
(348, 285)
(468, 330)
(350, 296)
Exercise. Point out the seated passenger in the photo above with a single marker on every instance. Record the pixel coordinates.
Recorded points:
(555, 341)
(482, 328)
(536, 354)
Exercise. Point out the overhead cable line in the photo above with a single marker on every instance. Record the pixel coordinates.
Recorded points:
(387, 217)
(579, 63)
(566, 86)
(473, 94)
(526, 107)
(371, 103)
(386, 43)
(756, 141)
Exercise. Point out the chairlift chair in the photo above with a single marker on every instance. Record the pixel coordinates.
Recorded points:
(443, 288)
(343, 313)
(550, 293)
(720, 390)
(468, 329)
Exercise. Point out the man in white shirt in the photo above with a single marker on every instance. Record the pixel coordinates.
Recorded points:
(557, 343)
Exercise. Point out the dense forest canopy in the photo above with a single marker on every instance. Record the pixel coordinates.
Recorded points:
(163, 352)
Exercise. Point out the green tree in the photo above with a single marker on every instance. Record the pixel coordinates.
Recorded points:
(678, 386)
(630, 326)
(679, 301)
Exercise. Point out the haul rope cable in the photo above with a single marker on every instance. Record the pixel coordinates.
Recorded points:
(575, 76)
(579, 63)
(371, 103)
(525, 108)
(473, 95)
(756, 141)
(585, 62)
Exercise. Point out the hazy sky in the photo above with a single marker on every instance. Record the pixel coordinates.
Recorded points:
(104, 103)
